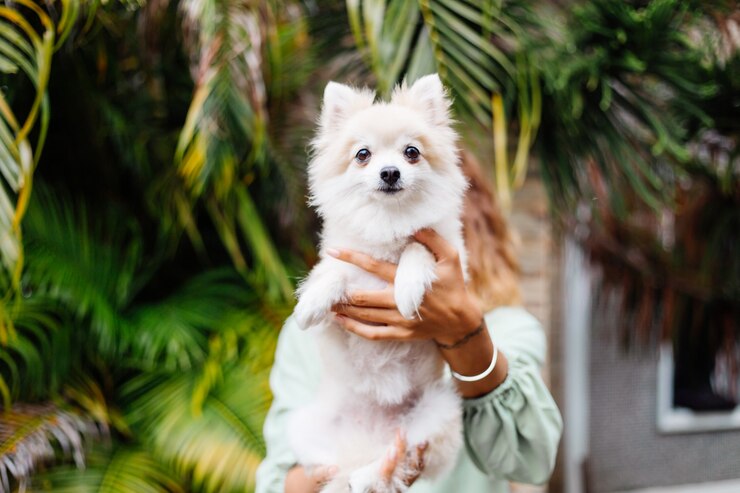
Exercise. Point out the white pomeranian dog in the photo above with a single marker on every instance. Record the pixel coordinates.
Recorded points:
(380, 172)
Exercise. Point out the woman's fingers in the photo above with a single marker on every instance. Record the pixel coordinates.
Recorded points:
(440, 248)
(378, 299)
(374, 332)
(401, 443)
(381, 268)
(395, 455)
(413, 461)
(385, 316)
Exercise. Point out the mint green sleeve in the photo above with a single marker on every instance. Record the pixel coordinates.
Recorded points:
(513, 432)
(293, 381)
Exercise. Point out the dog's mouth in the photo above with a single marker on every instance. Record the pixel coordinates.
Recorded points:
(390, 190)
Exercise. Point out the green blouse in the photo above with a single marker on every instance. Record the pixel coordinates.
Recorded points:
(511, 434)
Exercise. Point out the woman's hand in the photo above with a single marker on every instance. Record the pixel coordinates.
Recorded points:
(400, 459)
(447, 314)
(298, 481)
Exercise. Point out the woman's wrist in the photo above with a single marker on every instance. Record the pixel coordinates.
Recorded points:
(475, 359)
(470, 324)
(464, 339)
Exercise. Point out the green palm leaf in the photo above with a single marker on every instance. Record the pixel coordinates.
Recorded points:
(220, 447)
(37, 358)
(88, 265)
(224, 141)
(123, 470)
(172, 334)
(612, 107)
(28, 38)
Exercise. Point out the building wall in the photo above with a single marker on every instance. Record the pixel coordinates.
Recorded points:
(531, 228)
(626, 452)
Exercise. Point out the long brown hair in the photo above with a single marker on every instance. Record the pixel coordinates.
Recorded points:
(492, 264)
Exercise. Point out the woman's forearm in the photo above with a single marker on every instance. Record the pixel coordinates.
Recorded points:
(473, 358)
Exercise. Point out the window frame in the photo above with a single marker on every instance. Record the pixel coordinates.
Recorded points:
(671, 419)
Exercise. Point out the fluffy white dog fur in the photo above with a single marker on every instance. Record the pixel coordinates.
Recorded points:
(370, 389)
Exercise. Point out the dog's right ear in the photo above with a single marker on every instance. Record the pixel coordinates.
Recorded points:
(341, 101)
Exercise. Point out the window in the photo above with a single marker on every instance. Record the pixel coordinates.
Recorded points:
(695, 390)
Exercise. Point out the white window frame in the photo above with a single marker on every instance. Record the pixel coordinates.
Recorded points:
(681, 420)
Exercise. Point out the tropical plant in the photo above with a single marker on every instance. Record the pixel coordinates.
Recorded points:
(121, 318)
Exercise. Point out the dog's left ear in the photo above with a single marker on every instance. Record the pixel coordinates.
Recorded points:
(428, 95)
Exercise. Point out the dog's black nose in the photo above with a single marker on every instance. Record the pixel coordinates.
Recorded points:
(390, 175)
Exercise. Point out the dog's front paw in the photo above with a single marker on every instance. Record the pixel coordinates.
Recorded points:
(415, 274)
(309, 312)
(409, 294)
(369, 479)
(395, 473)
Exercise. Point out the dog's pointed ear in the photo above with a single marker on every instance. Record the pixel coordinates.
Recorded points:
(341, 101)
(428, 95)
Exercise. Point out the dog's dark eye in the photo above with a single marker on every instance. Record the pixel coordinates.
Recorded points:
(362, 155)
(411, 153)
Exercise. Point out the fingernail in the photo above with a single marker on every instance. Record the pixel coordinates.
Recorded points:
(333, 252)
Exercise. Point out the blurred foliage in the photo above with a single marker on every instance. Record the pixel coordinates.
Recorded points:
(142, 297)
(640, 155)
(145, 278)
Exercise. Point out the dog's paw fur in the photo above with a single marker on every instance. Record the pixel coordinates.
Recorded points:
(414, 276)
(369, 479)
(324, 287)
(309, 312)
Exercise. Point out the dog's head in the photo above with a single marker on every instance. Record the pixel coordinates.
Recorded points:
(395, 161)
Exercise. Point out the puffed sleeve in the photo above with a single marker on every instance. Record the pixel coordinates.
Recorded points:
(293, 381)
(513, 432)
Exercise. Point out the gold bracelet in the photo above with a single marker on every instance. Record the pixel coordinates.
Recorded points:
(465, 338)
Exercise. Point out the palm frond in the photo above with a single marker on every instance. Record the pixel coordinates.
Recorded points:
(37, 358)
(121, 470)
(172, 334)
(220, 446)
(224, 141)
(635, 60)
(32, 434)
(28, 36)
(88, 265)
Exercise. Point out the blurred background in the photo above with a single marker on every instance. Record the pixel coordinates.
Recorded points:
(153, 222)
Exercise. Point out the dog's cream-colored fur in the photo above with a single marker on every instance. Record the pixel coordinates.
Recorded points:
(370, 389)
